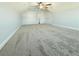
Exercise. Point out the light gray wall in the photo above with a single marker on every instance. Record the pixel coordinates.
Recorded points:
(30, 18)
(33, 15)
(9, 21)
(63, 16)
(68, 18)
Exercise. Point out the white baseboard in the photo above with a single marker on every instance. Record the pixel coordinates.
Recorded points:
(66, 27)
(5, 41)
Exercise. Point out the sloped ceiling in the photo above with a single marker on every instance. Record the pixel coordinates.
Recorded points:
(56, 6)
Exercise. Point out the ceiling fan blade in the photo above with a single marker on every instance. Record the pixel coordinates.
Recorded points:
(40, 3)
(49, 4)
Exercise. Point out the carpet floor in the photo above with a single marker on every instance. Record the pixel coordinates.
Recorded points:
(42, 40)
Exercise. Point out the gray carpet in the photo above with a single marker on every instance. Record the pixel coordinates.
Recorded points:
(42, 40)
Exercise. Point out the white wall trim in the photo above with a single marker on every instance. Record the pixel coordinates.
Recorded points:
(66, 27)
(8, 38)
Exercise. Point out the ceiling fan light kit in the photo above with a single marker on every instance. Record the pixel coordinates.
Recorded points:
(42, 5)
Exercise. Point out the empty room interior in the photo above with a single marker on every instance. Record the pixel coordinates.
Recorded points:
(39, 29)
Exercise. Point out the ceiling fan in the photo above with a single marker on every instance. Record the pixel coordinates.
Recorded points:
(43, 5)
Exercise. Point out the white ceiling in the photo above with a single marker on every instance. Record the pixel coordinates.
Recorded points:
(18, 6)
(21, 6)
